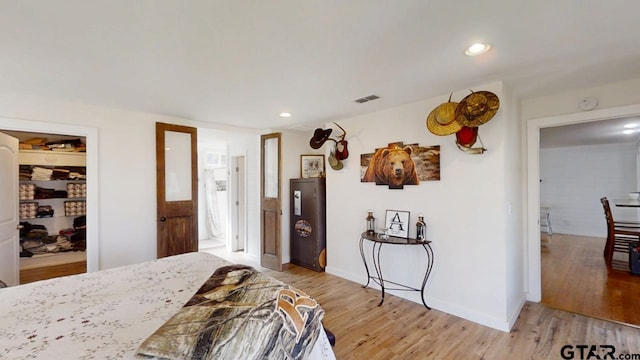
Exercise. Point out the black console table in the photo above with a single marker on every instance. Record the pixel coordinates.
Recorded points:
(391, 240)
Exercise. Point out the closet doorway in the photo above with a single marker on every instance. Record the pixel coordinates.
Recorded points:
(79, 261)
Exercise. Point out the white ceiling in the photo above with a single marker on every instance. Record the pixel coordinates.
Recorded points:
(590, 133)
(243, 62)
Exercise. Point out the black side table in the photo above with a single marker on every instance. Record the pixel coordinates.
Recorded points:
(377, 246)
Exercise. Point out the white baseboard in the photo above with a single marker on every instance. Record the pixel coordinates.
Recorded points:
(437, 304)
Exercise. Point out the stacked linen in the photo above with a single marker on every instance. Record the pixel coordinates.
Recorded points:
(40, 173)
(25, 172)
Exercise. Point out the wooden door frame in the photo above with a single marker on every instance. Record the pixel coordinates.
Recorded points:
(266, 260)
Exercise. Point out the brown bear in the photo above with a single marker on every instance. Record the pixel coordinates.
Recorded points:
(392, 166)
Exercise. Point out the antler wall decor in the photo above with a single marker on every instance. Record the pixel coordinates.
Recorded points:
(340, 149)
(341, 145)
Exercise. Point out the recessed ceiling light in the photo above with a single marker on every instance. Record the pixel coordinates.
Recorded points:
(629, 131)
(630, 125)
(477, 49)
(285, 114)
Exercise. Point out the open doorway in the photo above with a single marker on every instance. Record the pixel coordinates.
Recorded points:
(226, 189)
(579, 164)
(570, 180)
(214, 201)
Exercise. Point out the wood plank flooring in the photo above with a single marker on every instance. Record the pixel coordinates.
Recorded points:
(401, 329)
(575, 278)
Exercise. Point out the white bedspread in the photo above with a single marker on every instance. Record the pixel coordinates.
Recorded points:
(105, 314)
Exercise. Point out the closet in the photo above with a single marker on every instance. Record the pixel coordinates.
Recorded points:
(52, 206)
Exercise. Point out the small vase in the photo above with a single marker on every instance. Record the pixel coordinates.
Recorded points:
(421, 229)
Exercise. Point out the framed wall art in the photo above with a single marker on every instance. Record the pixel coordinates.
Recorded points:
(311, 166)
(397, 165)
(397, 223)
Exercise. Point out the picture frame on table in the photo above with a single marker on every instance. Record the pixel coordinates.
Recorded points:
(397, 223)
(311, 166)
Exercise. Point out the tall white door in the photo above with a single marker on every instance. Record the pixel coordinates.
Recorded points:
(238, 236)
(9, 235)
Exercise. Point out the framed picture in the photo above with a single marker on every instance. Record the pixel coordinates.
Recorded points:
(311, 166)
(397, 223)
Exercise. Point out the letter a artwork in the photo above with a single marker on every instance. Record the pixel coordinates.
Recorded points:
(396, 223)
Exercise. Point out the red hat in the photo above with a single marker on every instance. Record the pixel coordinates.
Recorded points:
(466, 137)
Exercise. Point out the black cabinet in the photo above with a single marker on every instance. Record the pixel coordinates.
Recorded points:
(308, 229)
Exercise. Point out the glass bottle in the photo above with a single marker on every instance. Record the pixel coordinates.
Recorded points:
(371, 223)
(421, 229)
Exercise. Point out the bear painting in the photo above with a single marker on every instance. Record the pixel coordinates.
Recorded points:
(397, 165)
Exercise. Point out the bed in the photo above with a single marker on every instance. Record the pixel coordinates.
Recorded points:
(131, 311)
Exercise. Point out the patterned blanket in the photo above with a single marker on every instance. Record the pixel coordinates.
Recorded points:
(239, 313)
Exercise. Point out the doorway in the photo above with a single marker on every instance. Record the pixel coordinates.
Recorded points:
(534, 255)
(214, 175)
(91, 204)
(226, 172)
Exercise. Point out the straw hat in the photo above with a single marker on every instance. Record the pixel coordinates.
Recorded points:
(477, 108)
(334, 162)
(442, 120)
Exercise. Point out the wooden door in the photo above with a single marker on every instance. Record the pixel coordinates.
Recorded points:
(9, 235)
(177, 189)
(270, 199)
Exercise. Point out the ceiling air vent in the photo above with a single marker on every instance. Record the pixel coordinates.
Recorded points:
(367, 98)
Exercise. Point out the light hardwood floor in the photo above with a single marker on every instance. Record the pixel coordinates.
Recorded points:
(575, 278)
(401, 329)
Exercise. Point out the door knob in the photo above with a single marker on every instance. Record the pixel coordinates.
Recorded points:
(163, 219)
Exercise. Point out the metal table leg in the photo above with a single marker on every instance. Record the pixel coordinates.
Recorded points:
(364, 261)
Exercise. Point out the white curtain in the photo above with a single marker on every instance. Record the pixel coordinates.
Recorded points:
(214, 227)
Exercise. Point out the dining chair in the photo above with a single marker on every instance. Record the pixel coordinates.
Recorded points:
(545, 223)
(620, 235)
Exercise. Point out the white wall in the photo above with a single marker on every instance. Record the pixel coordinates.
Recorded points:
(574, 179)
(609, 95)
(515, 243)
(466, 212)
(248, 145)
(127, 167)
